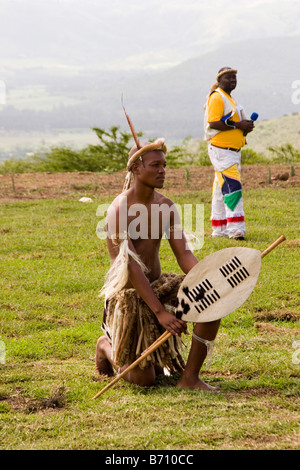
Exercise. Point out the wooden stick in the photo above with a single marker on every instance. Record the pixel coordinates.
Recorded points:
(271, 247)
(166, 335)
(155, 342)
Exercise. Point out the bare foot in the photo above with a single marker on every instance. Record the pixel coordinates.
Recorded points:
(197, 384)
(102, 364)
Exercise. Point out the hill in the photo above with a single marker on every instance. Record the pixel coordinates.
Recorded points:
(277, 131)
(172, 101)
(168, 103)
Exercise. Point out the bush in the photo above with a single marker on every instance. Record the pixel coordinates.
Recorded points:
(110, 155)
(285, 153)
(250, 157)
(63, 159)
(192, 152)
(17, 166)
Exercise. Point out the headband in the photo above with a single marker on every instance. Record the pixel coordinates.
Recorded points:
(146, 147)
(228, 70)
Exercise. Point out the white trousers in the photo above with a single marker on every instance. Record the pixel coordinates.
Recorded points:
(225, 222)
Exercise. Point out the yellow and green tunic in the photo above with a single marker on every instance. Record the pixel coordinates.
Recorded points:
(227, 215)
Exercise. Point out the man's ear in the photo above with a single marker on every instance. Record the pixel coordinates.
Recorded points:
(136, 168)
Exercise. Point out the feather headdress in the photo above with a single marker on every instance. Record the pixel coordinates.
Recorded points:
(139, 149)
(134, 134)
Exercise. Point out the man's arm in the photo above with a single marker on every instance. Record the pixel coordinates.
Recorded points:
(185, 257)
(215, 114)
(142, 285)
(245, 125)
(178, 241)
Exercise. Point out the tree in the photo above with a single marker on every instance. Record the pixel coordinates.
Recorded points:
(113, 148)
(110, 155)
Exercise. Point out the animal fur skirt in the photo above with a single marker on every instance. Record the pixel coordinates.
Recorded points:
(131, 327)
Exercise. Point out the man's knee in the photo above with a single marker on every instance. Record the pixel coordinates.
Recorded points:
(142, 377)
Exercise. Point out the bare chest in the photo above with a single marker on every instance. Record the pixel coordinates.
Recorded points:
(147, 223)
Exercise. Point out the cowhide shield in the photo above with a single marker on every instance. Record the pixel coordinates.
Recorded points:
(218, 284)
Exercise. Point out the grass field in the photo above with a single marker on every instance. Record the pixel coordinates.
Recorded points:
(52, 269)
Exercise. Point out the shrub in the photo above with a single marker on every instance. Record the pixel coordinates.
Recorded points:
(111, 154)
(17, 166)
(250, 157)
(285, 153)
(192, 152)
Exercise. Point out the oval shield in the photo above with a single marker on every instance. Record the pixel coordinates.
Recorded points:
(218, 284)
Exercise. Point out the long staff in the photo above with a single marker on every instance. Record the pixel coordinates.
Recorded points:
(165, 336)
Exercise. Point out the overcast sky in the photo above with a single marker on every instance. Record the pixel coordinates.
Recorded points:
(130, 34)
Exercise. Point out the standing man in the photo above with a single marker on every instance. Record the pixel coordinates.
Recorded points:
(140, 301)
(225, 128)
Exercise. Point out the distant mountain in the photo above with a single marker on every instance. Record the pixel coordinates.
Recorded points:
(65, 63)
(172, 101)
(167, 103)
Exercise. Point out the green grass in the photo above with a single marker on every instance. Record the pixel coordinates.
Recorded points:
(53, 266)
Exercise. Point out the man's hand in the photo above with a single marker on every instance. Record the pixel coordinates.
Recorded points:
(246, 125)
(171, 323)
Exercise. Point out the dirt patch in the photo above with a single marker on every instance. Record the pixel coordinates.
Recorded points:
(277, 330)
(295, 242)
(284, 315)
(31, 186)
(18, 402)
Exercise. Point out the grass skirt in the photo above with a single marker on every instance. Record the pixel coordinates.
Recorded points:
(131, 327)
